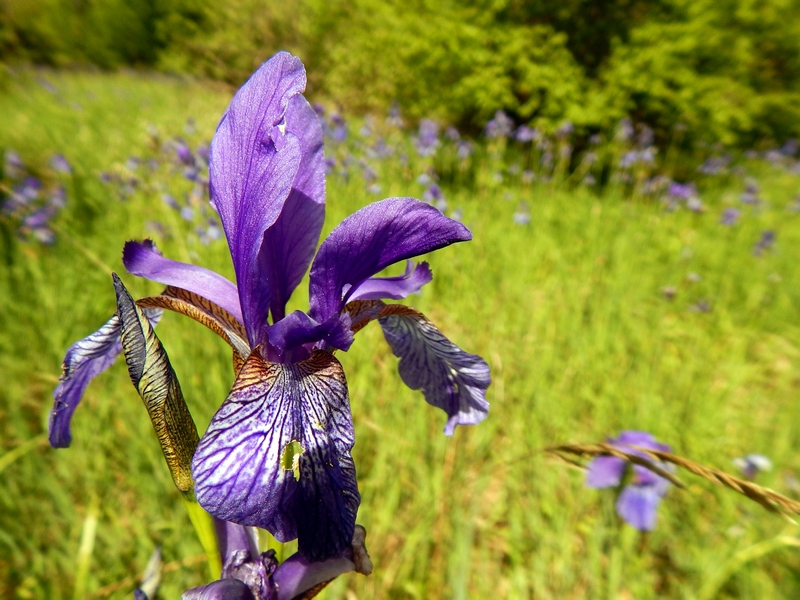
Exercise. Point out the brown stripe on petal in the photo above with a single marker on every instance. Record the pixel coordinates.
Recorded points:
(216, 318)
(363, 312)
(313, 592)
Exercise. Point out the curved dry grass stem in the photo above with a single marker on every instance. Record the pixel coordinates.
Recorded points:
(769, 499)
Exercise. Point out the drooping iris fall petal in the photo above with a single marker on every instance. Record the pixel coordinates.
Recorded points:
(450, 378)
(84, 361)
(277, 455)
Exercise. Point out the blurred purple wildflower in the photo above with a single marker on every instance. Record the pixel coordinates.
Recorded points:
(714, 165)
(625, 130)
(750, 193)
(500, 126)
(522, 216)
(60, 164)
(13, 166)
(465, 150)
(682, 191)
(394, 118)
(765, 242)
(638, 501)
(730, 217)
(752, 464)
(525, 134)
(338, 128)
(433, 193)
(451, 133)
(183, 152)
(701, 306)
(790, 147)
(427, 138)
(565, 130)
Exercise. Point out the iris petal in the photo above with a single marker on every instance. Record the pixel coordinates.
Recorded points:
(142, 259)
(224, 589)
(277, 455)
(289, 244)
(203, 311)
(450, 378)
(605, 471)
(254, 161)
(395, 288)
(370, 240)
(638, 505)
(84, 361)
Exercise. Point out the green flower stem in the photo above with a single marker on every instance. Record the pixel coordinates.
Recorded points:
(204, 527)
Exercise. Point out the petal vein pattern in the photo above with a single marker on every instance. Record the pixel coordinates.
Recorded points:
(202, 310)
(277, 454)
(252, 167)
(450, 378)
(84, 361)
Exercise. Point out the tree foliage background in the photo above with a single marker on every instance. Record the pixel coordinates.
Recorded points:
(728, 70)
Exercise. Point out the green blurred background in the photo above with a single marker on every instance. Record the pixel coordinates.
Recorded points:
(729, 70)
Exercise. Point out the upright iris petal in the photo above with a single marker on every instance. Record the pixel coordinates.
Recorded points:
(370, 240)
(289, 244)
(253, 162)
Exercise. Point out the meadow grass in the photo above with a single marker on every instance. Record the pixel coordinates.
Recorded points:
(567, 310)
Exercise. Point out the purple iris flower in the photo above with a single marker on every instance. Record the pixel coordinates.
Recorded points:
(183, 152)
(565, 130)
(276, 455)
(500, 126)
(60, 164)
(730, 217)
(13, 164)
(338, 129)
(452, 134)
(525, 134)
(765, 242)
(639, 499)
(248, 575)
(682, 191)
(752, 464)
(750, 195)
(394, 118)
(427, 139)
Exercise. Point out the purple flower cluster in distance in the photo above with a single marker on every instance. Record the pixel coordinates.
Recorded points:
(638, 500)
(27, 202)
(277, 454)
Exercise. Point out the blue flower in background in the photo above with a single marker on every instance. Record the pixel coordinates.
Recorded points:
(638, 501)
(752, 464)
(277, 453)
(500, 126)
(730, 217)
(427, 139)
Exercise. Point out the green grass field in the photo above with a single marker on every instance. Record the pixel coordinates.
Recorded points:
(567, 310)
